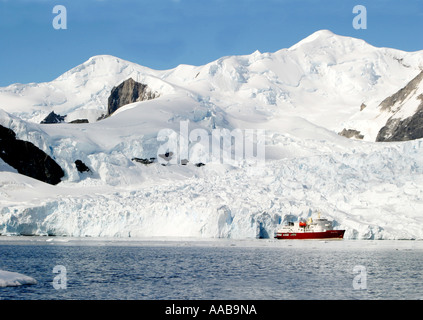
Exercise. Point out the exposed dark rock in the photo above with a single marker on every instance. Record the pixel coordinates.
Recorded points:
(401, 61)
(166, 156)
(7, 134)
(351, 133)
(103, 116)
(401, 95)
(144, 161)
(363, 106)
(81, 167)
(53, 118)
(200, 164)
(80, 121)
(27, 159)
(410, 128)
(128, 92)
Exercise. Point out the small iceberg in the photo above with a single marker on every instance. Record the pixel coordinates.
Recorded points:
(14, 279)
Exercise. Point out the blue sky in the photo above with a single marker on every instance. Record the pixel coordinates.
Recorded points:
(161, 34)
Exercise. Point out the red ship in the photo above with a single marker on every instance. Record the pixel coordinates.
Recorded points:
(319, 228)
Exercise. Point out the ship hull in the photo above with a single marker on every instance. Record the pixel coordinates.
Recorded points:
(329, 234)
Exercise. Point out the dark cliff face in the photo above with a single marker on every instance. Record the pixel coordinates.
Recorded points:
(128, 92)
(27, 159)
(406, 129)
(410, 128)
(53, 118)
(401, 95)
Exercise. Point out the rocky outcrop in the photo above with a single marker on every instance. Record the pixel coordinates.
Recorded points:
(80, 121)
(27, 159)
(399, 97)
(351, 133)
(398, 128)
(410, 128)
(144, 161)
(53, 118)
(166, 156)
(128, 92)
(81, 167)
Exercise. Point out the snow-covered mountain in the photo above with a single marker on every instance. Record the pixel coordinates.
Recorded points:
(324, 78)
(302, 97)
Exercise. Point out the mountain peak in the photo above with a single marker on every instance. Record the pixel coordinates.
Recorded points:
(322, 33)
(104, 58)
(100, 66)
(318, 35)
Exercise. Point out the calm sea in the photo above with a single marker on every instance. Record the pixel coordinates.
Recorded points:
(181, 269)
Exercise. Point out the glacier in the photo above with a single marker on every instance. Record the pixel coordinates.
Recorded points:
(372, 196)
(300, 96)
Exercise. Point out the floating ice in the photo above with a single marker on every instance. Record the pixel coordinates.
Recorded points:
(14, 279)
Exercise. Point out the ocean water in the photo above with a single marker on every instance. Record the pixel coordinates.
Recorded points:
(112, 269)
